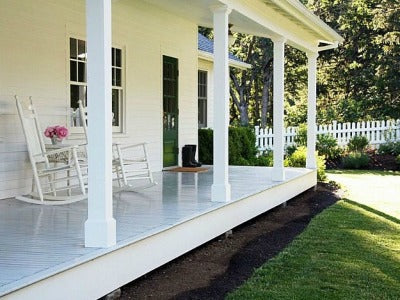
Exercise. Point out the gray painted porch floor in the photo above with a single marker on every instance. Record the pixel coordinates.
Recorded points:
(39, 241)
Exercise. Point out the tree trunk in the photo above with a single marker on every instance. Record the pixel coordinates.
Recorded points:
(244, 115)
(265, 102)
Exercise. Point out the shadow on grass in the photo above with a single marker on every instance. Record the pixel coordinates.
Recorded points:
(372, 210)
(364, 172)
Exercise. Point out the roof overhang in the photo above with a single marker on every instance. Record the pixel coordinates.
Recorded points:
(232, 63)
(266, 18)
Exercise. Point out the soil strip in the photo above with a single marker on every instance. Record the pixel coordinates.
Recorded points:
(220, 266)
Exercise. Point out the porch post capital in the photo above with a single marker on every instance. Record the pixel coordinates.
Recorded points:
(278, 39)
(220, 8)
(312, 55)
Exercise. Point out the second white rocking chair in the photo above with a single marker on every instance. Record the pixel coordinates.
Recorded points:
(130, 162)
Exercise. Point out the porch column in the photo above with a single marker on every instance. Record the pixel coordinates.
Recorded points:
(100, 227)
(311, 162)
(221, 189)
(278, 172)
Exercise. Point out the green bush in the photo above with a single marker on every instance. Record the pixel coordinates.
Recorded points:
(242, 146)
(298, 160)
(358, 144)
(290, 149)
(264, 160)
(301, 137)
(392, 148)
(206, 146)
(398, 159)
(327, 145)
(355, 160)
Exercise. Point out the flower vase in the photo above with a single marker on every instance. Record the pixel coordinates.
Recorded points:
(55, 140)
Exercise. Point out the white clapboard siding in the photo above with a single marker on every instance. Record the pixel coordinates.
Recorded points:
(34, 62)
(377, 132)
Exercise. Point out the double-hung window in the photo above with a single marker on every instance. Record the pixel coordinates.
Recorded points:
(78, 82)
(202, 98)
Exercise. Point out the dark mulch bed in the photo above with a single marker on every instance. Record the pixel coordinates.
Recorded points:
(220, 266)
(384, 162)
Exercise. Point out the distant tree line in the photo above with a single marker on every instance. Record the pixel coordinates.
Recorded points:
(359, 80)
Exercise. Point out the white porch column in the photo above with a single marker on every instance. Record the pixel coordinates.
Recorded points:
(311, 162)
(278, 172)
(100, 227)
(221, 189)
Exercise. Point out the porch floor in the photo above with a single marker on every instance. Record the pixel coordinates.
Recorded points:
(40, 241)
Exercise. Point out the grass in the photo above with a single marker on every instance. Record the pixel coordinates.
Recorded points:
(349, 251)
(379, 190)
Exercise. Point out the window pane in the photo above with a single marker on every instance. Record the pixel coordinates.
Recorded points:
(81, 72)
(118, 79)
(113, 57)
(78, 92)
(72, 48)
(73, 70)
(118, 58)
(81, 50)
(113, 77)
(116, 95)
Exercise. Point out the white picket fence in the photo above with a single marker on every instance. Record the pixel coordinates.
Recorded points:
(377, 132)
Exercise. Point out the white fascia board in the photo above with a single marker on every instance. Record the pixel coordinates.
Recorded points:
(299, 11)
(254, 11)
(232, 63)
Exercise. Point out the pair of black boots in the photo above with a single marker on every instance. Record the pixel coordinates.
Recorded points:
(188, 157)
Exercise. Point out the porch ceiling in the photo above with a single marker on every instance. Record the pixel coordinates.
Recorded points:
(267, 18)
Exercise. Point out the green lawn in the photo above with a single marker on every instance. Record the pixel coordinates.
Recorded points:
(349, 251)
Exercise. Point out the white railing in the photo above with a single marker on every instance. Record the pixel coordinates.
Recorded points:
(377, 132)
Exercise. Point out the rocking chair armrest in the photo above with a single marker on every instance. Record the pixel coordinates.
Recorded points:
(123, 146)
(57, 151)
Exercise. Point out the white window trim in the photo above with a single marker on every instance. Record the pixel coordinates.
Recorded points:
(77, 132)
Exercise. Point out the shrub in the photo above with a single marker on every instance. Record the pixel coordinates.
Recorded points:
(206, 146)
(290, 149)
(298, 160)
(264, 160)
(242, 146)
(392, 148)
(355, 160)
(301, 137)
(358, 144)
(398, 159)
(327, 145)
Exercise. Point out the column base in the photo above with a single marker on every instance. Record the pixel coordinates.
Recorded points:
(221, 192)
(100, 233)
(278, 174)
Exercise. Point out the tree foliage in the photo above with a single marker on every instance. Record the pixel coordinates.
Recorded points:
(359, 80)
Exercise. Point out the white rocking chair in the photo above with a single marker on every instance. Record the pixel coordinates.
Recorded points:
(47, 187)
(130, 162)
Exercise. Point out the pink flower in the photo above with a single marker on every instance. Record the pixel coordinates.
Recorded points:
(61, 132)
(50, 132)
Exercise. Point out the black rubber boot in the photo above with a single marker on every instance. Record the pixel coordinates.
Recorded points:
(186, 157)
(193, 157)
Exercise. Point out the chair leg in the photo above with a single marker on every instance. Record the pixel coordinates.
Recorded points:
(37, 183)
(121, 165)
(150, 174)
(78, 172)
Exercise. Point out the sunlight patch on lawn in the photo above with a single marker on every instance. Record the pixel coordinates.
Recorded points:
(377, 189)
(347, 252)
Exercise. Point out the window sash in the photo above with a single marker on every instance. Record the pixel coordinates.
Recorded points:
(202, 98)
(78, 81)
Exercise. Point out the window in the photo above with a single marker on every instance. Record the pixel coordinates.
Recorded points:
(202, 96)
(78, 82)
